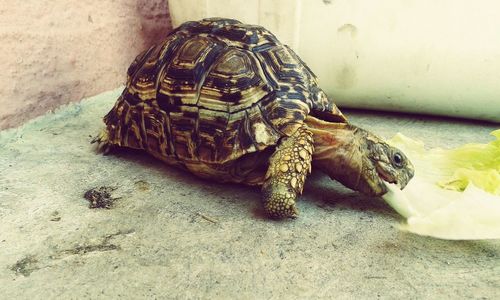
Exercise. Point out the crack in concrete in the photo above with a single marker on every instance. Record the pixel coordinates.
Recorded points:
(31, 263)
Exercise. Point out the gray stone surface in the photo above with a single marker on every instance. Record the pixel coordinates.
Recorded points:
(171, 235)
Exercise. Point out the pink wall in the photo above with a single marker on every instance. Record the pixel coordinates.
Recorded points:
(59, 51)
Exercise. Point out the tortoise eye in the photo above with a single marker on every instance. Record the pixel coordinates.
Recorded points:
(398, 159)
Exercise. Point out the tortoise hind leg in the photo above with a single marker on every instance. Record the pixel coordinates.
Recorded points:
(102, 140)
(285, 177)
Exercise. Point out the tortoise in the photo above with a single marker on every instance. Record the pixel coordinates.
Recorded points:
(229, 102)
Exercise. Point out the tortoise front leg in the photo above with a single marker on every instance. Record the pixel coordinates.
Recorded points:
(285, 177)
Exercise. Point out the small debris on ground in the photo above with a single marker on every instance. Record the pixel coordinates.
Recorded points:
(100, 197)
(209, 219)
(55, 217)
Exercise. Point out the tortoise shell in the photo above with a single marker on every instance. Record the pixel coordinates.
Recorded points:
(213, 91)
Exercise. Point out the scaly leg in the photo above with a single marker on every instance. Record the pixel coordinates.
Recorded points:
(288, 167)
(102, 140)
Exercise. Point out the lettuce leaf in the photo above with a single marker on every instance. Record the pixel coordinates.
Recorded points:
(455, 193)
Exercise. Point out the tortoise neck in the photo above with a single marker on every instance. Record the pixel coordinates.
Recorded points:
(316, 124)
(331, 139)
(330, 133)
(336, 150)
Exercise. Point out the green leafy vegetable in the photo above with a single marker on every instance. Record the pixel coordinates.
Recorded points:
(455, 194)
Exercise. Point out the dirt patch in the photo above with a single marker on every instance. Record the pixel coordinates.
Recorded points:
(101, 197)
(142, 185)
(25, 266)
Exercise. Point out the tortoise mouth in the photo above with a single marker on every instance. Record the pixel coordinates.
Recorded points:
(385, 175)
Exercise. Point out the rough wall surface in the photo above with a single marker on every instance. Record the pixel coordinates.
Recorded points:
(55, 52)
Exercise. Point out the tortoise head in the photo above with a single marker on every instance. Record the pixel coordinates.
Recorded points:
(380, 163)
(359, 159)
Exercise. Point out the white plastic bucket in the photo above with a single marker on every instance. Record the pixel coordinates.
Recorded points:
(438, 57)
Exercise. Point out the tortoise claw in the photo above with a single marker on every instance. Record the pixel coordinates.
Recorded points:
(102, 141)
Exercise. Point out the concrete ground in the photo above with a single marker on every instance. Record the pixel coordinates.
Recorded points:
(171, 235)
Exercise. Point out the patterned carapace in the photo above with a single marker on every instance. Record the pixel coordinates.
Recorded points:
(213, 91)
